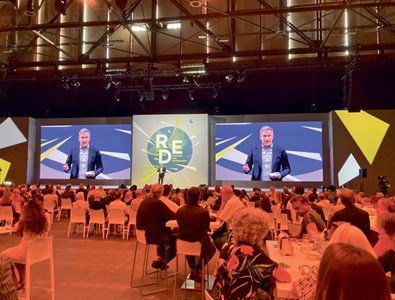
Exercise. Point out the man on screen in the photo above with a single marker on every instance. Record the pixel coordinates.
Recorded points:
(161, 175)
(85, 160)
(267, 160)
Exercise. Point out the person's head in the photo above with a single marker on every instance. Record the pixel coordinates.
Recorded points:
(80, 196)
(266, 135)
(250, 226)
(385, 206)
(167, 190)
(349, 272)
(387, 230)
(298, 189)
(226, 192)
(97, 195)
(193, 195)
(346, 196)
(33, 217)
(300, 204)
(352, 235)
(84, 137)
(139, 193)
(118, 194)
(157, 190)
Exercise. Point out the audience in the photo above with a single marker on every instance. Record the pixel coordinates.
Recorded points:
(243, 269)
(349, 272)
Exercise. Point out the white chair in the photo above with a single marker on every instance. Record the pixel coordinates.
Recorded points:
(39, 250)
(116, 217)
(96, 218)
(191, 249)
(272, 225)
(131, 222)
(66, 205)
(49, 207)
(77, 216)
(140, 239)
(6, 215)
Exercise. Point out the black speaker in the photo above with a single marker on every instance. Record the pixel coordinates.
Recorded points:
(363, 173)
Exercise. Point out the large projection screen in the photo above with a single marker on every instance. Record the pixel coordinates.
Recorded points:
(57, 138)
(304, 137)
(179, 142)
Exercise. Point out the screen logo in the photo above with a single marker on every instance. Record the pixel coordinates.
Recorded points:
(170, 146)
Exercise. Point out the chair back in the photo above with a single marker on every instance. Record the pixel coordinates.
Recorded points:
(6, 213)
(207, 295)
(48, 205)
(188, 248)
(39, 249)
(96, 216)
(140, 235)
(116, 216)
(66, 203)
(77, 215)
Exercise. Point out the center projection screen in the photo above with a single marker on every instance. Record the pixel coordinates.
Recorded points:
(304, 138)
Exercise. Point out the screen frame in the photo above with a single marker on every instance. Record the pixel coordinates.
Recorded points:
(87, 122)
(324, 118)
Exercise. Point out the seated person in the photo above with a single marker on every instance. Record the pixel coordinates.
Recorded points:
(152, 216)
(387, 237)
(349, 272)
(194, 223)
(244, 270)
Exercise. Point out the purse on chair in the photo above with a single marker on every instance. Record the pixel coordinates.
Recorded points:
(305, 286)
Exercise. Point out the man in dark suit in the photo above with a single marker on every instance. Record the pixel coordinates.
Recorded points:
(85, 160)
(161, 171)
(267, 161)
(351, 214)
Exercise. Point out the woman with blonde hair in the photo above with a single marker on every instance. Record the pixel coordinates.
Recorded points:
(352, 235)
(243, 269)
(349, 272)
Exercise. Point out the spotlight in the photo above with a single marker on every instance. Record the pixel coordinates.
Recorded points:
(185, 80)
(165, 93)
(74, 82)
(241, 75)
(196, 80)
(108, 83)
(60, 6)
(216, 89)
(190, 94)
(116, 95)
(229, 78)
(141, 95)
(65, 83)
(116, 84)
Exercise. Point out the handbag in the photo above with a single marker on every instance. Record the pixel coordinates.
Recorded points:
(305, 286)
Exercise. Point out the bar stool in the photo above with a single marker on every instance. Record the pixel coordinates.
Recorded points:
(191, 249)
(141, 239)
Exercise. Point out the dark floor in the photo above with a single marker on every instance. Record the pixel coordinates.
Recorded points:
(95, 268)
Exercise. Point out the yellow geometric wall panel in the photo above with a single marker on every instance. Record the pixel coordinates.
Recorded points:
(367, 131)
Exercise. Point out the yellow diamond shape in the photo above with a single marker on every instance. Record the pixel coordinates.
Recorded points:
(367, 131)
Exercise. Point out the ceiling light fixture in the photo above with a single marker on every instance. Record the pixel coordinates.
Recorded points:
(196, 80)
(141, 95)
(190, 94)
(229, 78)
(216, 90)
(165, 93)
(195, 3)
(185, 80)
(241, 75)
(65, 83)
(29, 12)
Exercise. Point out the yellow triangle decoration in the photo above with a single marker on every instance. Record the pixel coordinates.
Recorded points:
(367, 131)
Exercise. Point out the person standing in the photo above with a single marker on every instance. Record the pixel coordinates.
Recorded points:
(84, 161)
(267, 160)
(161, 175)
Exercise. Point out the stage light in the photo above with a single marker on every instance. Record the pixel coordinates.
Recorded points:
(185, 80)
(141, 95)
(74, 82)
(65, 83)
(116, 95)
(229, 78)
(216, 89)
(241, 75)
(196, 80)
(60, 6)
(108, 83)
(190, 94)
(165, 93)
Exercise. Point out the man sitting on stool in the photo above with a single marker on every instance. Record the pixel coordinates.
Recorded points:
(152, 216)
